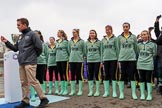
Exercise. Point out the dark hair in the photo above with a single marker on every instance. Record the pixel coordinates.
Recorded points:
(63, 34)
(109, 26)
(52, 38)
(77, 30)
(138, 36)
(24, 21)
(127, 23)
(95, 33)
(40, 34)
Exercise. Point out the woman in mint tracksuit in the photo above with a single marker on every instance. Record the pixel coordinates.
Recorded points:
(52, 68)
(147, 50)
(109, 58)
(93, 52)
(62, 57)
(127, 44)
(76, 49)
(41, 66)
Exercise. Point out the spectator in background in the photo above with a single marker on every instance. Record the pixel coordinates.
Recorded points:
(139, 39)
(3, 49)
(158, 34)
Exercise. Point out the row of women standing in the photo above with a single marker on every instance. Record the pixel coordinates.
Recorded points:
(108, 52)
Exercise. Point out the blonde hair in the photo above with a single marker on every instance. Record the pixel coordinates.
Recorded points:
(63, 34)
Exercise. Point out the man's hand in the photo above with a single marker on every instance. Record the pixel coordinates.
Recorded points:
(150, 29)
(157, 18)
(3, 39)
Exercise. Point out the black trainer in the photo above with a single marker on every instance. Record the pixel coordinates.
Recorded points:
(22, 105)
(43, 103)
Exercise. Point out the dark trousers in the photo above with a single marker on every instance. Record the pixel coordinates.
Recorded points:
(145, 75)
(137, 76)
(160, 67)
(45, 75)
(76, 71)
(93, 69)
(51, 70)
(63, 70)
(128, 67)
(40, 72)
(110, 68)
(102, 73)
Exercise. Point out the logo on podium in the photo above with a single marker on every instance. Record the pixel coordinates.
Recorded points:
(15, 56)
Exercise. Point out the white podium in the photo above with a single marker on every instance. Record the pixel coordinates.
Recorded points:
(12, 86)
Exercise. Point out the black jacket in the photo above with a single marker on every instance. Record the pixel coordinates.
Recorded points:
(29, 46)
(158, 41)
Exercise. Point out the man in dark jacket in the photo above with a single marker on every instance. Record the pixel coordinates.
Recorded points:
(29, 47)
(158, 34)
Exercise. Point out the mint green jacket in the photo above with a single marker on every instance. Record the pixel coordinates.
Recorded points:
(62, 53)
(43, 58)
(109, 49)
(51, 56)
(93, 51)
(146, 52)
(127, 48)
(77, 50)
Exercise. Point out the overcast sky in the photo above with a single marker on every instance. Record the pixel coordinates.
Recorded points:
(49, 16)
